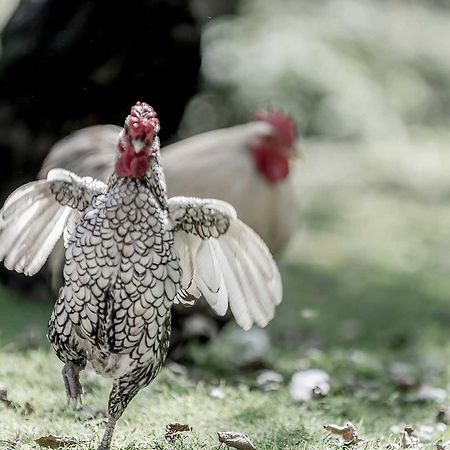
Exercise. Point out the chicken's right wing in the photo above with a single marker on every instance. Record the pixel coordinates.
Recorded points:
(224, 261)
(36, 214)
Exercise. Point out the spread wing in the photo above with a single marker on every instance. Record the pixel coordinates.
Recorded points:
(224, 261)
(36, 214)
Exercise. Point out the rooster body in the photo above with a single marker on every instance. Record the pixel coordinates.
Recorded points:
(121, 277)
(130, 253)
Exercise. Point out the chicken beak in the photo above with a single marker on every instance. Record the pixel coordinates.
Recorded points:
(138, 145)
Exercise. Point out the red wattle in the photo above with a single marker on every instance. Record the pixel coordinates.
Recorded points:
(131, 165)
(273, 166)
(139, 166)
(121, 169)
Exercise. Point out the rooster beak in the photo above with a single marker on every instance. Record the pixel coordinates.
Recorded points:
(138, 145)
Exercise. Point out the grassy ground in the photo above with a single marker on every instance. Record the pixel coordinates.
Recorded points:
(366, 295)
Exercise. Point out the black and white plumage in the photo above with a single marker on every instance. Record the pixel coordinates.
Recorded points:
(130, 253)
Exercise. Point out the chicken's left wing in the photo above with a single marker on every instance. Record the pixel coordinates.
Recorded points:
(36, 214)
(224, 261)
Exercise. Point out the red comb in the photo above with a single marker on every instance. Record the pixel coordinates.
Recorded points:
(142, 123)
(283, 123)
(137, 144)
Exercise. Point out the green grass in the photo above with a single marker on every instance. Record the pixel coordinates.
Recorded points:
(365, 322)
(366, 287)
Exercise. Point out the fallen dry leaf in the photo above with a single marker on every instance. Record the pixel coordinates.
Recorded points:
(51, 441)
(408, 440)
(347, 432)
(173, 430)
(4, 397)
(236, 440)
(27, 409)
(308, 383)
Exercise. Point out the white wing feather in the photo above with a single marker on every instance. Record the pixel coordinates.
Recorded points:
(209, 279)
(235, 270)
(31, 222)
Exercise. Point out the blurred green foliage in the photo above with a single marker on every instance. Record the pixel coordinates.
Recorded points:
(345, 69)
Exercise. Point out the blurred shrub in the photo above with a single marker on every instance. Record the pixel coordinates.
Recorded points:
(346, 69)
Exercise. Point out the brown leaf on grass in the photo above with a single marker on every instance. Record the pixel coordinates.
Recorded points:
(27, 409)
(236, 440)
(4, 397)
(51, 441)
(173, 430)
(407, 440)
(347, 432)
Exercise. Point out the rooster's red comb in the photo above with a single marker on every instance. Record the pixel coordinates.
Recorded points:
(142, 123)
(283, 123)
